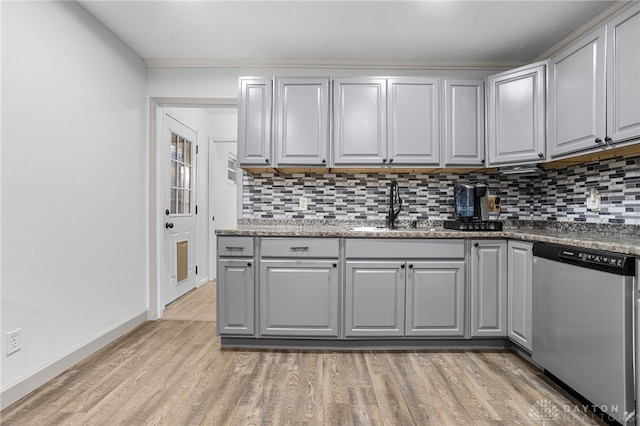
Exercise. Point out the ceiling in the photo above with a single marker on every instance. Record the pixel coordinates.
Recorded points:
(304, 33)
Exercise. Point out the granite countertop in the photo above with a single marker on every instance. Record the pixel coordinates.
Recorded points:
(625, 241)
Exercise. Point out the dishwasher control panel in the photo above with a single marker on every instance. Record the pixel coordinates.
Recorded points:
(606, 261)
(597, 258)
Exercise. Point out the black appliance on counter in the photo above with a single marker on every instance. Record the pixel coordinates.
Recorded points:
(472, 209)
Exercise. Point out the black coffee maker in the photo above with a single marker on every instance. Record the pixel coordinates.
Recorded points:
(472, 209)
(471, 201)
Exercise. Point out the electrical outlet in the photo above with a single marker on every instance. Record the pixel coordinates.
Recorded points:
(14, 341)
(302, 203)
(494, 204)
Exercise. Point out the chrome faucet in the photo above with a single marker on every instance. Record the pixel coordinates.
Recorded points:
(395, 204)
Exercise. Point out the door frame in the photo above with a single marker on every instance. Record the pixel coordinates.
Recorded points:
(155, 210)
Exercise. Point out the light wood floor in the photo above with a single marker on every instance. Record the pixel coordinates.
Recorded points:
(173, 372)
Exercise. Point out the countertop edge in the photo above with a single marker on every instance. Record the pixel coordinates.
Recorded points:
(631, 247)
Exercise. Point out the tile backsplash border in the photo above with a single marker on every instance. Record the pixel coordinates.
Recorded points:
(555, 195)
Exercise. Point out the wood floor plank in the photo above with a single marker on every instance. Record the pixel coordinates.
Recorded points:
(174, 372)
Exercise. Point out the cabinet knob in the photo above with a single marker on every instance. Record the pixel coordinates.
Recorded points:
(482, 161)
(266, 160)
(607, 140)
(384, 160)
(324, 161)
(598, 140)
(402, 266)
(249, 264)
(335, 265)
(476, 244)
(410, 266)
(391, 160)
(540, 155)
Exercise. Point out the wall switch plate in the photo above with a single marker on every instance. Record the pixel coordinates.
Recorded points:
(593, 200)
(302, 203)
(14, 341)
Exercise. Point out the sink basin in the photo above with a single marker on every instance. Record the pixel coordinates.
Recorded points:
(370, 229)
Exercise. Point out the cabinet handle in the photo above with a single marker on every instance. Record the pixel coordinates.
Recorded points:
(384, 160)
(476, 244)
(540, 155)
(607, 140)
(299, 248)
(410, 266)
(598, 140)
(249, 264)
(402, 266)
(335, 265)
(235, 248)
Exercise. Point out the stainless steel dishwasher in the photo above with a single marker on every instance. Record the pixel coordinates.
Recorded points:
(583, 315)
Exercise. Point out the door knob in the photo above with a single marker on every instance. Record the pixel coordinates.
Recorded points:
(168, 225)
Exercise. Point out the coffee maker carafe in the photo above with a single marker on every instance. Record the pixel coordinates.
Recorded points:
(471, 202)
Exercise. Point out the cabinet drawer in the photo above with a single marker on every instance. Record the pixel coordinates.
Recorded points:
(235, 246)
(300, 247)
(404, 249)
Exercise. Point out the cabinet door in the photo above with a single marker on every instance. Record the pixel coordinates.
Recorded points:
(623, 69)
(299, 298)
(519, 290)
(489, 288)
(463, 122)
(254, 121)
(359, 108)
(412, 121)
(577, 96)
(435, 298)
(375, 296)
(235, 297)
(516, 116)
(302, 121)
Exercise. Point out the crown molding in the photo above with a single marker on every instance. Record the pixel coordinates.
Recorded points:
(596, 22)
(330, 64)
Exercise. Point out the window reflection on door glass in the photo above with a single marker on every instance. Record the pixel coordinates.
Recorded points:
(180, 185)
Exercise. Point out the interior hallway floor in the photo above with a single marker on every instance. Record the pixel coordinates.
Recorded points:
(173, 372)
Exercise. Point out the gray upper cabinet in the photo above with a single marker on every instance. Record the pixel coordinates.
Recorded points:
(519, 290)
(359, 129)
(413, 125)
(516, 116)
(623, 69)
(435, 298)
(595, 89)
(302, 121)
(489, 288)
(577, 96)
(254, 121)
(463, 123)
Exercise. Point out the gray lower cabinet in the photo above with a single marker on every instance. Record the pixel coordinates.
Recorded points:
(299, 288)
(412, 288)
(375, 297)
(489, 288)
(520, 286)
(435, 298)
(236, 286)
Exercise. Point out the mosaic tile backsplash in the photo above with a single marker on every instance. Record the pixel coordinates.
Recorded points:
(555, 195)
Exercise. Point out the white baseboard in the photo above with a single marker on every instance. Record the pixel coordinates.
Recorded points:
(21, 388)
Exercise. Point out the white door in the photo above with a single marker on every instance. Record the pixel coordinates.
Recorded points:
(226, 181)
(180, 220)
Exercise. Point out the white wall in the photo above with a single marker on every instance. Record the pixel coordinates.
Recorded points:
(74, 188)
(199, 120)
